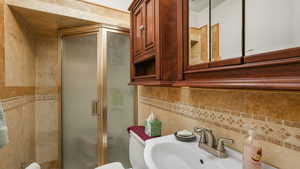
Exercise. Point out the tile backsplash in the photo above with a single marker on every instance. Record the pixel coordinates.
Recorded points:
(33, 131)
(229, 113)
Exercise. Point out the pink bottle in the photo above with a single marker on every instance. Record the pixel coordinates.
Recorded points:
(252, 151)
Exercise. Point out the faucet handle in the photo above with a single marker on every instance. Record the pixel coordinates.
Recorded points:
(222, 141)
(198, 130)
(201, 133)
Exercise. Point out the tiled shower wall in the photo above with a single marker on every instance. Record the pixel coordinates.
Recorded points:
(46, 102)
(28, 91)
(274, 114)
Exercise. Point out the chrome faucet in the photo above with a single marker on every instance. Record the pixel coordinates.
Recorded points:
(208, 142)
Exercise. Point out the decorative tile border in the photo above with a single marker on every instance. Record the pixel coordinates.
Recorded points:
(16, 102)
(45, 97)
(279, 132)
(19, 101)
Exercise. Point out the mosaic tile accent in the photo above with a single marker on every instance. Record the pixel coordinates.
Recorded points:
(18, 101)
(15, 102)
(279, 132)
(45, 97)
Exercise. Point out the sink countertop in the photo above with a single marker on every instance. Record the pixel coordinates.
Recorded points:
(234, 161)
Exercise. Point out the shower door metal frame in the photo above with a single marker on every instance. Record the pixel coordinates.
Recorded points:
(101, 32)
(102, 37)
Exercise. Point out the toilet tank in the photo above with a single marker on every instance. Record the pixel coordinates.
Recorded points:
(136, 151)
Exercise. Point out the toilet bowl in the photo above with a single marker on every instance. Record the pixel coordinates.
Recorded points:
(136, 154)
(136, 151)
(111, 166)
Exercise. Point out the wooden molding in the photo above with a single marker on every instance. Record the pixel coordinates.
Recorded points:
(152, 83)
(226, 62)
(279, 54)
(283, 74)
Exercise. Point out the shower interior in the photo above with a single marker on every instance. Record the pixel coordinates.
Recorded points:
(79, 68)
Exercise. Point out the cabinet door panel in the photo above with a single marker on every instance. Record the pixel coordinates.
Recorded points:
(138, 30)
(150, 23)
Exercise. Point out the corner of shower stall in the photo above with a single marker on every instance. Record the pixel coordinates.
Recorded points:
(97, 103)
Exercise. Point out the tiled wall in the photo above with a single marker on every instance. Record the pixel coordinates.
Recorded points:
(28, 69)
(46, 105)
(19, 51)
(20, 121)
(29, 93)
(47, 130)
(1, 43)
(17, 92)
(275, 116)
(21, 118)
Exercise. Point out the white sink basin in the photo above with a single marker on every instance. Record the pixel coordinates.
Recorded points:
(168, 153)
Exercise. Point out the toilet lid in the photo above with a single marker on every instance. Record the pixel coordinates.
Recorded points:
(111, 166)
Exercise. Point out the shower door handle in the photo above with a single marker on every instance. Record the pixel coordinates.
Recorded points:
(95, 108)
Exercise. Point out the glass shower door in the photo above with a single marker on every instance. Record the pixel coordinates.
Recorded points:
(79, 91)
(120, 97)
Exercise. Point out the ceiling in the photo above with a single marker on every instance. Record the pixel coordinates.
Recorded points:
(199, 5)
(46, 23)
(116, 4)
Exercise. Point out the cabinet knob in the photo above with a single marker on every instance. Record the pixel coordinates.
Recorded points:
(141, 28)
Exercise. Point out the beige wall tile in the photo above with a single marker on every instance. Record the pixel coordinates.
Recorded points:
(19, 52)
(46, 61)
(29, 66)
(77, 9)
(7, 92)
(227, 113)
(21, 129)
(1, 43)
(46, 131)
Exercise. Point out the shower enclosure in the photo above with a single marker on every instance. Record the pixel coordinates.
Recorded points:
(97, 103)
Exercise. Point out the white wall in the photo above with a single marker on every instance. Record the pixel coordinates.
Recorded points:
(296, 24)
(270, 25)
(199, 19)
(117, 4)
(229, 15)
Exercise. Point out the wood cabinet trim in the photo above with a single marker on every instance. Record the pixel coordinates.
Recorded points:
(293, 86)
(146, 56)
(273, 55)
(135, 4)
(226, 62)
(273, 63)
(151, 44)
(283, 74)
(138, 12)
(152, 82)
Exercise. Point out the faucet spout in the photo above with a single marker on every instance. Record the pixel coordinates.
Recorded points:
(211, 140)
(208, 142)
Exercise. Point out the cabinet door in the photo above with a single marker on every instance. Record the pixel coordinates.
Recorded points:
(138, 30)
(149, 24)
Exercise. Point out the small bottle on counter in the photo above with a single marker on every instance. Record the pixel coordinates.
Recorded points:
(252, 151)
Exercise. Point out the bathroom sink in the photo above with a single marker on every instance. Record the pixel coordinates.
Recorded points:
(168, 153)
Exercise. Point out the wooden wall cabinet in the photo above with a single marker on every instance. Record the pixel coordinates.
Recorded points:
(160, 46)
(278, 68)
(153, 42)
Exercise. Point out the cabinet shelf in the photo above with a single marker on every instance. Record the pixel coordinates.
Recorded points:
(145, 76)
(143, 58)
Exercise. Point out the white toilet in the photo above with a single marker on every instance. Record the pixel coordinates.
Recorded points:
(136, 154)
(136, 151)
(111, 166)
